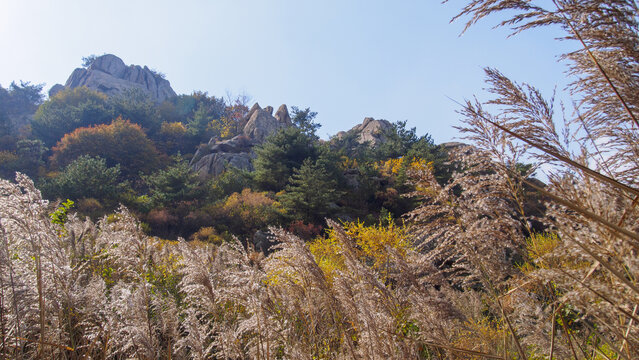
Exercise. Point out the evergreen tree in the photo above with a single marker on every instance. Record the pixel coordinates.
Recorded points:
(280, 155)
(400, 141)
(310, 192)
(86, 177)
(303, 119)
(174, 184)
(25, 98)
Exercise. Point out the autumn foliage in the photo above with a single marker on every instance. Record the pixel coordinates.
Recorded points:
(120, 142)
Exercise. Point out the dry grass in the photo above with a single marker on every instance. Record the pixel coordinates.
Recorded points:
(468, 278)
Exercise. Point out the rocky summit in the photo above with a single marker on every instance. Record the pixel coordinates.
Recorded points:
(370, 131)
(110, 75)
(215, 157)
(261, 123)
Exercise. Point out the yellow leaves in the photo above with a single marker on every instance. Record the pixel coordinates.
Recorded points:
(225, 126)
(250, 204)
(207, 235)
(539, 245)
(348, 163)
(481, 335)
(173, 129)
(376, 241)
(276, 276)
(373, 244)
(390, 166)
(327, 253)
(540, 248)
(393, 167)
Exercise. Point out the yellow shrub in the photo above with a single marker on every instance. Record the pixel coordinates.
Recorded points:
(375, 241)
(174, 129)
(348, 163)
(327, 253)
(207, 235)
(373, 244)
(393, 167)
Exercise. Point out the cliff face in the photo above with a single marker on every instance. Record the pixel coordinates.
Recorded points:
(109, 74)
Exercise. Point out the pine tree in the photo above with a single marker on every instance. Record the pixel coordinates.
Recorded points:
(173, 184)
(280, 155)
(310, 192)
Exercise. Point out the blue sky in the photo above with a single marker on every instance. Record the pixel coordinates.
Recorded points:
(396, 60)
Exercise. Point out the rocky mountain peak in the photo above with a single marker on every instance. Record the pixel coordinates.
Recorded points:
(261, 123)
(283, 116)
(369, 131)
(109, 64)
(110, 75)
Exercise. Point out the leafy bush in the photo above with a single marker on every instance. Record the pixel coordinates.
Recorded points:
(207, 235)
(68, 110)
(85, 177)
(244, 213)
(137, 106)
(121, 142)
(231, 181)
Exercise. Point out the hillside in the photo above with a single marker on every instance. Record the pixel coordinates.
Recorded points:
(191, 164)
(145, 224)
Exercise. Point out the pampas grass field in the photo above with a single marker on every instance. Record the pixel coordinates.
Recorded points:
(492, 265)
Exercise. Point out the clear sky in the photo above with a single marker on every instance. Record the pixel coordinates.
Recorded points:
(395, 60)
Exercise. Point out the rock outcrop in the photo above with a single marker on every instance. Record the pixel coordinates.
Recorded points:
(283, 116)
(261, 123)
(55, 89)
(109, 74)
(370, 131)
(217, 156)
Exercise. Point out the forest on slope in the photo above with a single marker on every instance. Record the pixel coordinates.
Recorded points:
(393, 249)
(100, 151)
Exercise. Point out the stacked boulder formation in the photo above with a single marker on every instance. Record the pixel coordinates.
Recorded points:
(215, 157)
(370, 131)
(108, 74)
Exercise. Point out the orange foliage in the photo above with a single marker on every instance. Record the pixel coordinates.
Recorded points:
(172, 136)
(120, 142)
(235, 115)
(304, 230)
(173, 129)
(248, 211)
(250, 206)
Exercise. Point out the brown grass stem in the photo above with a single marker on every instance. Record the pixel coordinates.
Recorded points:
(553, 332)
(607, 299)
(624, 343)
(63, 347)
